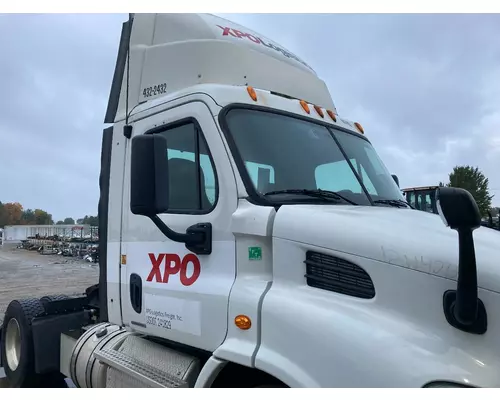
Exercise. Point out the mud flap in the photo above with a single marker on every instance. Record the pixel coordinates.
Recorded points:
(47, 338)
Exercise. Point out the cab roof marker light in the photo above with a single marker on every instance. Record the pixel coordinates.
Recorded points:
(319, 111)
(252, 93)
(359, 127)
(305, 106)
(331, 115)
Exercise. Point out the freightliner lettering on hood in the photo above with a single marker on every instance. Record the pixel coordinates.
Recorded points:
(403, 237)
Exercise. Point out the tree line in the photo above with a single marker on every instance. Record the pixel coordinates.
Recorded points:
(87, 220)
(15, 214)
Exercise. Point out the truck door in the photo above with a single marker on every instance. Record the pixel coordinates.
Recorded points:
(166, 290)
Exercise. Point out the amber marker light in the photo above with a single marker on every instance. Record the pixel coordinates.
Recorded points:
(331, 115)
(359, 127)
(252, 93)
(319, 111)
(243, 322)
(305, 106)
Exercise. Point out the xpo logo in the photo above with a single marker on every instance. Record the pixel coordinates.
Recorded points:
(227, 31)
(173, 265)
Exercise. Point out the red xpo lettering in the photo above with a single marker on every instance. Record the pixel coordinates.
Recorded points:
(236, 33)
(227, 31)
(173, 265)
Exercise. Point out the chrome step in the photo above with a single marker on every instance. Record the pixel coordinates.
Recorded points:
(147, 374)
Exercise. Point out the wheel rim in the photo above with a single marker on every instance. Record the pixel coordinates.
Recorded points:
(13, 344)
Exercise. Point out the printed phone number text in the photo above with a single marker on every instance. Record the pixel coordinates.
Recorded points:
(159, 322)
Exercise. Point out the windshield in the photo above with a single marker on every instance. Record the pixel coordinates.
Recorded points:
(283, 153)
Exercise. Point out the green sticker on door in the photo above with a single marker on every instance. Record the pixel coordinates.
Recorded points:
(254, 253)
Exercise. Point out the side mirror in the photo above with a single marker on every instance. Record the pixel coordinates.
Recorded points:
(396, 179)
(149, 175)
(149, 192)
(462, 307)
(457, 208)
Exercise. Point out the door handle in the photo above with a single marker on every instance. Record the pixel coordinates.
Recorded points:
(135, 286)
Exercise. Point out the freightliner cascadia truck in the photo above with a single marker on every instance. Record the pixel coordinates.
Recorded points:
(250, 236)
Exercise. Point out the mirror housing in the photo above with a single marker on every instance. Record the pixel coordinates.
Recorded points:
(457, 208)
(396, 179)
(149, 175)
(149, 192)
(462, 307)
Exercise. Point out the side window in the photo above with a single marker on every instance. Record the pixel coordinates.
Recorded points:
(410, 198)
(427, 202)
(192, 182)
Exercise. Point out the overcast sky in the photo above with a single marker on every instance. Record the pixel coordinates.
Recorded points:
(426, 89)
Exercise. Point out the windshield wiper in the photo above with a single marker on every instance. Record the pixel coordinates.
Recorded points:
(394, 203)
(319, 193)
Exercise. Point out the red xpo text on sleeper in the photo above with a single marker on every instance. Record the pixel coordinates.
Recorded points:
(227, 31)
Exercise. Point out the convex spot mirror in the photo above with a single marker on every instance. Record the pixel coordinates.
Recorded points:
(149, 175)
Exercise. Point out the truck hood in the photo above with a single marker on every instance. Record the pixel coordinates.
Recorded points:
(408, 238)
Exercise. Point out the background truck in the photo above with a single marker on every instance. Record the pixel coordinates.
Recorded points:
(424, 199)
(251, 237)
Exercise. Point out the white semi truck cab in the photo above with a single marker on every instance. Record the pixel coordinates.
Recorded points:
(250, 236)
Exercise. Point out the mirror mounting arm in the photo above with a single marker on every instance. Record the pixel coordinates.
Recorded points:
(462, 307)
(198, 237)
(467, 283)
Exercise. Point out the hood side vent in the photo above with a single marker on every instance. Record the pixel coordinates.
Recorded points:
(337, 275)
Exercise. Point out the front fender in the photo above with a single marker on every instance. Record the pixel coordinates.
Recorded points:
(317, 338)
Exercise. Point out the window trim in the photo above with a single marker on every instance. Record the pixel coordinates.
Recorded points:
(254, 196)
(199, 132)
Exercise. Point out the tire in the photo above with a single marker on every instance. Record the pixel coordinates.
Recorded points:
(22, 312)
(17, 342)
(55, 297)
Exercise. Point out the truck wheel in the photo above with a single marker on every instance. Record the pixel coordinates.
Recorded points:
(54, 297)
(17, 342)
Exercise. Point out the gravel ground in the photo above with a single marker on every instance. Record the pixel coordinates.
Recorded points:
(25, 274)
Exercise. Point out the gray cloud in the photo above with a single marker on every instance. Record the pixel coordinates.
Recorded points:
(425, 87)
(55, 82)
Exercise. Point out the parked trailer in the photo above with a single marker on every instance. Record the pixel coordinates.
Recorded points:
(296, 271)
(17, 233)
